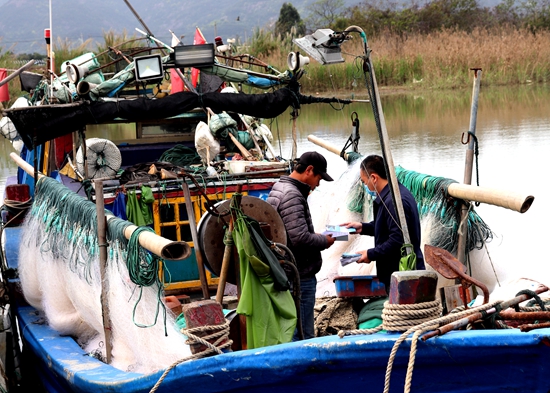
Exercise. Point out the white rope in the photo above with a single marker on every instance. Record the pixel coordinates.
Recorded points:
(416, 311)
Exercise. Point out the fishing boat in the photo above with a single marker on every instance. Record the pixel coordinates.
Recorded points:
(70, 270)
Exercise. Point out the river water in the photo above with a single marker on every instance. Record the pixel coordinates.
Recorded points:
(425, 129)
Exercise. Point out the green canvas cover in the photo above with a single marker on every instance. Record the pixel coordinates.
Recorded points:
(270, 314)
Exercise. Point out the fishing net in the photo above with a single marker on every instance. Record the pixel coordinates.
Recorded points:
(103, 159)
(60, 275)
(181, 155)
(434, 203)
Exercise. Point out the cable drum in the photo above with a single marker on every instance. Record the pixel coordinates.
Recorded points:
(102, 156)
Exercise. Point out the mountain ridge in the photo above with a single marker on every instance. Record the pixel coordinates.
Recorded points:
(22, 22)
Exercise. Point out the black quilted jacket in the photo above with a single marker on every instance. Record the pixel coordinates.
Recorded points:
(289, 197)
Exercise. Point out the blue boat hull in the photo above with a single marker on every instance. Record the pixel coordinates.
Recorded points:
(461, 361)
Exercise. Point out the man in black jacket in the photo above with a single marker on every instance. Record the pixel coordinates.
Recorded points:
(388, 236)
(289, 197)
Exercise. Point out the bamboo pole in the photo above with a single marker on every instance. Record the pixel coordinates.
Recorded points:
(102, 240)
(246, 154)
(158, 245)
(508, 199)
(492, 196)
(326, 145)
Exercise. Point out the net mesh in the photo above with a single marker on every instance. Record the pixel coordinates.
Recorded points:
(60, 275)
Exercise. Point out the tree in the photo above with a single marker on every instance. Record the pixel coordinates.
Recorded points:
(289, 18)
(324, 13)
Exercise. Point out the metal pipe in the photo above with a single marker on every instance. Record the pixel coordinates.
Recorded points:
(462, 230)
(478, 315)
(17, 72)
(386, 152)
(516, 316)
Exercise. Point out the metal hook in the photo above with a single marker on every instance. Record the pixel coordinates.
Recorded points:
(467, 140)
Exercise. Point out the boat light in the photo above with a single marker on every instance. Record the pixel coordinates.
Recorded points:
(193, 55)
(148, 68)
(323, 46)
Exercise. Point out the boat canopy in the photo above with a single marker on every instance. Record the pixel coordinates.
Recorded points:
(38, 124)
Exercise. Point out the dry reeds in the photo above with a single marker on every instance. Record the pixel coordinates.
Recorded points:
(441, 60)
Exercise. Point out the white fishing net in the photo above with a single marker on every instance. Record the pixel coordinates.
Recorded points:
(329, 206)
(103, 158)
(62, 278)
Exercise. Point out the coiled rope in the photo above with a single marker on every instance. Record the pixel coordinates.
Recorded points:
(223, 342)
(419, 312)
(16, 208)
(181, 155)
(143, 269)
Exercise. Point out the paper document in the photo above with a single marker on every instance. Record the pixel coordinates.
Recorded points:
(348, 258)
(338, 232)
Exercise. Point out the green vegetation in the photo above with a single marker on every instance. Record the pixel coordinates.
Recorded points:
(429, 46)
(289, 18)
(432, 46)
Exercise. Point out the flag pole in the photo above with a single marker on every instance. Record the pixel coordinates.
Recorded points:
(50, 56)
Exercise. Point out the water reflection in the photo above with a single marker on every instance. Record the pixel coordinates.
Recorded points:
(425, 129)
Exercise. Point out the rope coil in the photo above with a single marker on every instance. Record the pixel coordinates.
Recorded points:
(221, 331)
(417, 331)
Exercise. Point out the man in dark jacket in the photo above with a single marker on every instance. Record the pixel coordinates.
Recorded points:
(388, 236)
(289, 197)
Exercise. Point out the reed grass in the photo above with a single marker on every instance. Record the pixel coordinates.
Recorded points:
(440, 60)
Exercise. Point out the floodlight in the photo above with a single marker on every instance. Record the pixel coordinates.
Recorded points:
(323, 46)
(193, 55)
(148, 68)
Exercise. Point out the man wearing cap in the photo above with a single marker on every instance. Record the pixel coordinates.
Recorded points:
(289, 197)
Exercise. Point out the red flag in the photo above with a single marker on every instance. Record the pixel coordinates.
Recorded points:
(198, 40)
(4, 92)
(177, 82)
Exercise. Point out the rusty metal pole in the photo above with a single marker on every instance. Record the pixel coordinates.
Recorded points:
(463, 227)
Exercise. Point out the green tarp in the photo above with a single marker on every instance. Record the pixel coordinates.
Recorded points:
(270, 314)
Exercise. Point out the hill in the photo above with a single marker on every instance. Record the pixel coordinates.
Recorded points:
(22, 22)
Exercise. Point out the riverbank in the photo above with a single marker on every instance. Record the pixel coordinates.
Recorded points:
(441, 60)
